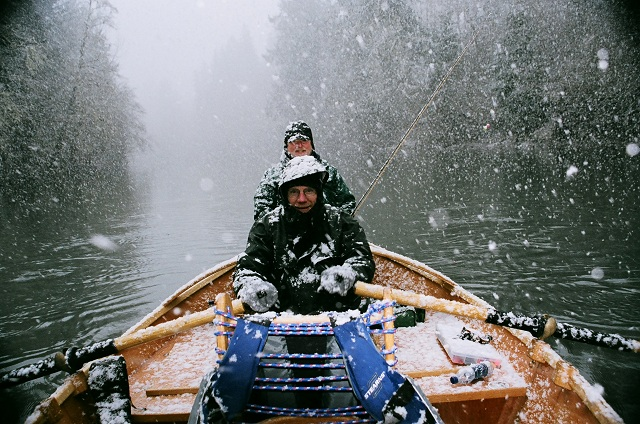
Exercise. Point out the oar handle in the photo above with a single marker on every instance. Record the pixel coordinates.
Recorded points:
(540, 326)
(421, 301)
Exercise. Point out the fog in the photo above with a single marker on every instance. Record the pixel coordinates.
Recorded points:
(166, 50)
(520, 181)
(160, 44)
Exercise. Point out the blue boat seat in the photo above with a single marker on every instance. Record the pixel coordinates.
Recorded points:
(329, 369)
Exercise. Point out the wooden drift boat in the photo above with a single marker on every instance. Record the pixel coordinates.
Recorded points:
(531, 385)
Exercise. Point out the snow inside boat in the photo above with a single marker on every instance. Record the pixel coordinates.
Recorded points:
(530, 383)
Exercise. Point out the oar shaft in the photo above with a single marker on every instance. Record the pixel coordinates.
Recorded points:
(165, 329)
(423, 301)
(540, 326)
(73, 359)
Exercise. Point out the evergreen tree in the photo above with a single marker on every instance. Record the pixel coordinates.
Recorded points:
(69, 122)
(360, 72)
(346, 67)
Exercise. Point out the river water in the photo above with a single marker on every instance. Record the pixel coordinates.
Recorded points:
(517, 228)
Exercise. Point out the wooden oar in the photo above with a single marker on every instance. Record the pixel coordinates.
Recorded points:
(540, 326)
(73, 359)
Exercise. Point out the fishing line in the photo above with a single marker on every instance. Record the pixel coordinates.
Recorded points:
(413, 124)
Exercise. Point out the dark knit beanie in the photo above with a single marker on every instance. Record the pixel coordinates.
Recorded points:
(298, 130)
(314, 181)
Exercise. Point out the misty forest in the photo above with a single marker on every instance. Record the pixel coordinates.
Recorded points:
(360, 70)
(68, 122)
(517, 173)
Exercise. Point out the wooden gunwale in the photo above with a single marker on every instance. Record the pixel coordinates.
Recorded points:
(184, 293)
(563, 374)
(566, 375)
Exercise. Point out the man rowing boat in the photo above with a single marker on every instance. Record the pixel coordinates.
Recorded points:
(305, 255)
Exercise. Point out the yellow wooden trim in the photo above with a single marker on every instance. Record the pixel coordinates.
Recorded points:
(510, 392)
(431, 373)
(170, 391)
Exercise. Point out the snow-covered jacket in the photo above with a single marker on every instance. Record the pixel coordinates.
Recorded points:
(267, 196)
(290, 250)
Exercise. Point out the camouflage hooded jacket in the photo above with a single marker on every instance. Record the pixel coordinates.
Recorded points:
(290, 250)
(267, 196)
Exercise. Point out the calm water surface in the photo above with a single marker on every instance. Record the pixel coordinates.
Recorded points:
(511, 227)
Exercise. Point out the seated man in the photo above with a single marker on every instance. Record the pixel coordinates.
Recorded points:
(304, 256)
(298, 141)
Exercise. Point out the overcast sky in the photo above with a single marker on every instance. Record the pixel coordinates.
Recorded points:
(160, 40)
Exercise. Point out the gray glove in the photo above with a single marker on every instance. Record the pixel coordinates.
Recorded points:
(259, 294)
(337, 279)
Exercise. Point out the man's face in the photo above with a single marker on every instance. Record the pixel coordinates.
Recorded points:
(299, 147)
(303, 198)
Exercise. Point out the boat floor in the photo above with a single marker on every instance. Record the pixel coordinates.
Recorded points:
(163, 389)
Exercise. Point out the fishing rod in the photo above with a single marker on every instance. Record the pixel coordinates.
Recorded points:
(413, 124)
(549, 326)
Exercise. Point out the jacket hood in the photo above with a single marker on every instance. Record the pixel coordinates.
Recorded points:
(305, 171)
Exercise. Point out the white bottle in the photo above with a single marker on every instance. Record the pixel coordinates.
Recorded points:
(472, 372)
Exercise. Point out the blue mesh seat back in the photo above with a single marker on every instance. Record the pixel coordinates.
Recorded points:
(387, 396)
(385, 393)
(275, 344)
(233, 381)
(308, 399)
